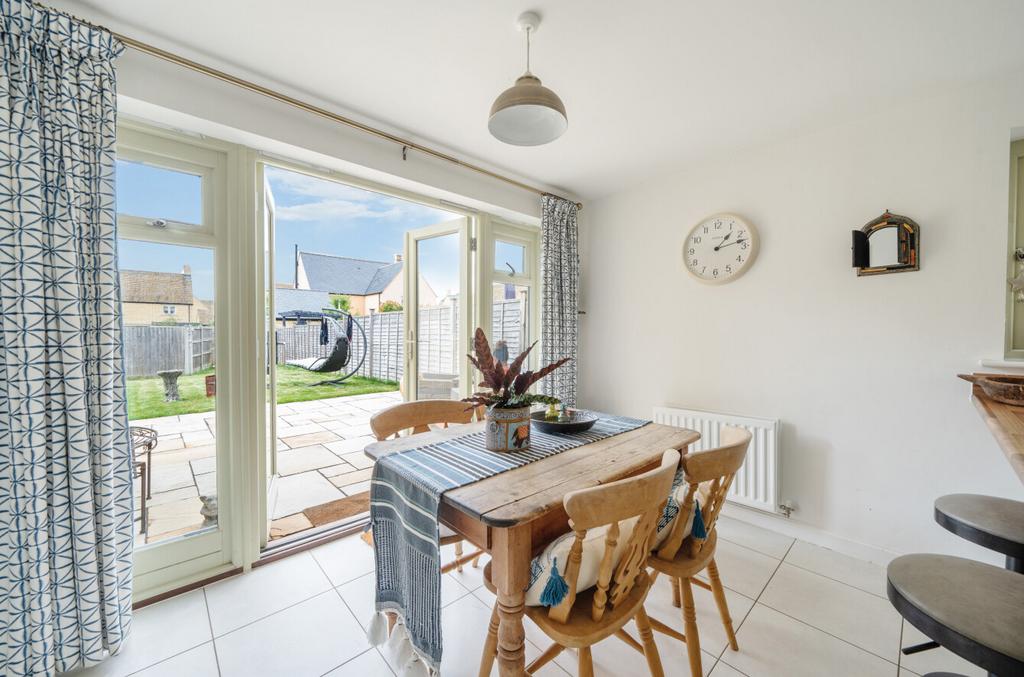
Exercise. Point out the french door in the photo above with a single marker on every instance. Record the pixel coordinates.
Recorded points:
(438, 317)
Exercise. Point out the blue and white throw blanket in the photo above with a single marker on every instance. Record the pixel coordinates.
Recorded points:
(405, 495)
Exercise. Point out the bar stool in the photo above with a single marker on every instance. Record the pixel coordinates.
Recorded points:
(993, 523)
(973, 609)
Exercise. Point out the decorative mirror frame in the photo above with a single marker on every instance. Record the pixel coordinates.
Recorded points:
(908, 243)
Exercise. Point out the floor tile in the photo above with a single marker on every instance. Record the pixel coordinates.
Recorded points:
(614, 658)
(159, 631)
(367, 664)
(206, 484)
(712, 634)
(264, 590)
(306, 640)
(858, 573)
(345, 559)
(359, 595)
(171, 496)
(354, 489)
(169, 476)
(743, 569)
(848, 613)
(358, 459)
(935, 660)
(291, 524)
(175, 516)
(349, 478)
(198, 662)
(295, 493)
(302, 459)
(309, 439)
(204, 465)
(349, 446)
(775, 645)
(722, 669)
(754, 537)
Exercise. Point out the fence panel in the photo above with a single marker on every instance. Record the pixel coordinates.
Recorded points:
(385, 332)
(152, 348)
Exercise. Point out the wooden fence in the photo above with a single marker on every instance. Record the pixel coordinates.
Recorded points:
(385, 334)
(152, 348)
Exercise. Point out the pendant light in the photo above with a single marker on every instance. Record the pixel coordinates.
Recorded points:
(528, 113)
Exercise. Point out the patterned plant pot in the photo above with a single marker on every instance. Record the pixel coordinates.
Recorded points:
(508, 429)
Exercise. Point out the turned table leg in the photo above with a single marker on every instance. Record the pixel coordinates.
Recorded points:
(511, 576)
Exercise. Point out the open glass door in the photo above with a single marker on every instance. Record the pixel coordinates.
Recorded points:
(437, 315)
(269, 460)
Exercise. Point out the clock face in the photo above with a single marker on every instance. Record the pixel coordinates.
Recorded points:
(720, 248)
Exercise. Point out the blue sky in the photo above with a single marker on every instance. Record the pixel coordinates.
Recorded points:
(318, 215)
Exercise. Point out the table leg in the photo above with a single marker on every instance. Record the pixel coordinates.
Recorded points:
(511, 576)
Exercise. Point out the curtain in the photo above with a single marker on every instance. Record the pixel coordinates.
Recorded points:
(65, 464)
(560, 267)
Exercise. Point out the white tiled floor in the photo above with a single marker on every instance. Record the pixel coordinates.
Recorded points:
(799, 610)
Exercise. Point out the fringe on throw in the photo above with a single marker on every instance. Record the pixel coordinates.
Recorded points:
(400, 647)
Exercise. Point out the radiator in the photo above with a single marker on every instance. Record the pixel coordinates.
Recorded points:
(756, 485)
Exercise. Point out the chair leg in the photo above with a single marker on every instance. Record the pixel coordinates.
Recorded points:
(723, 607)
(675, 592)
(540, 661)
(643, 624)
(690, 627)
(586, 663)
(458, 556)
(490, 645)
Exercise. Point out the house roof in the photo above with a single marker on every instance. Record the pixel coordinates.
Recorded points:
(343, 275)
(144, 286)
(300, 301)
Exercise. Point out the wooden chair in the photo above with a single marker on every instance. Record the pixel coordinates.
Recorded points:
(585, 618)
(708, 476)
(418, 417)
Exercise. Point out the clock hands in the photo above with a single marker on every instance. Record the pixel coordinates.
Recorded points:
(727, 236)
(723, 245)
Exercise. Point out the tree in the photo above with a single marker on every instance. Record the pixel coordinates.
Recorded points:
(341, 302)
(390, 307)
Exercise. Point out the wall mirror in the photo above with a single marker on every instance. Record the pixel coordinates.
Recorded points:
(888, 244)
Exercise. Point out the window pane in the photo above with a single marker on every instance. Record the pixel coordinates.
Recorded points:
(508, 257)
(167, 303)
(510, 315)
(437, 318)
(158, 193)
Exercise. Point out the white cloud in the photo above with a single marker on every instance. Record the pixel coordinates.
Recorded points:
(332, 200)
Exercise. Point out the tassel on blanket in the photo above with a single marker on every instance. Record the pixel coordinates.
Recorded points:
(698, 530)
(378, 632)
(415, 667)
(555, 589)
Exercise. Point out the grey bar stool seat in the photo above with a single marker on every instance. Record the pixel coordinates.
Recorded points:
(991, 522)
(973, 609)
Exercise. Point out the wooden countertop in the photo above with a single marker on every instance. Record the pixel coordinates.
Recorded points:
(1006, 423)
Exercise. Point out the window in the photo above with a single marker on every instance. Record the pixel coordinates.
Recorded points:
(169, 310)
(157, 193)
(510, 308)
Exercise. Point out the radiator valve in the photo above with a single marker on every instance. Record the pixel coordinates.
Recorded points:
(787, 507)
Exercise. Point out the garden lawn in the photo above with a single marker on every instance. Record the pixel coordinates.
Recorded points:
(294, 384)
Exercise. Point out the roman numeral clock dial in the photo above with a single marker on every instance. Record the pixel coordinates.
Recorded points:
(720, 248)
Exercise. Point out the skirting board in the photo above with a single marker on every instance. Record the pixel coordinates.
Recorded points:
(813, 535)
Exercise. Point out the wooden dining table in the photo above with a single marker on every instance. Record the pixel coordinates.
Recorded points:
(514, 514)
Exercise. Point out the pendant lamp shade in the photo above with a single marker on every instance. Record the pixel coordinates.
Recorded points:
(527, 114)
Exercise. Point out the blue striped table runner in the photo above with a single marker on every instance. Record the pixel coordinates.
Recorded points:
(405, 496)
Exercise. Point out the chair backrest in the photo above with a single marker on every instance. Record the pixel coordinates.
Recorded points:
(709, 472)
(417, 417)
(642, 497)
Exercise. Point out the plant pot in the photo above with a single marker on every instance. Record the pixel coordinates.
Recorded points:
(508, 429)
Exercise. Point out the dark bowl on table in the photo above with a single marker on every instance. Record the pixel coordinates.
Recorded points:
(579, 421)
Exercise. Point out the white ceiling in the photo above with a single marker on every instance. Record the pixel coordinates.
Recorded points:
(647, 85)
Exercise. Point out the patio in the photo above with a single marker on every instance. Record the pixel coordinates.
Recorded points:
(319, 461)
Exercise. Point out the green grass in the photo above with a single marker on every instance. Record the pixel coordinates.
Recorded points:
(294, 384)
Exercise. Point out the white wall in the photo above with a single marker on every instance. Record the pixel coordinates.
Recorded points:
(862, 371)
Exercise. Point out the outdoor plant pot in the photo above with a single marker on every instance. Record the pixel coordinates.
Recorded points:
(508, 429)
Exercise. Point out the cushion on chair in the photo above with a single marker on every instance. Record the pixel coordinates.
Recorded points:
(541, 568)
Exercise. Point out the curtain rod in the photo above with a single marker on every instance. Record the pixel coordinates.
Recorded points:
(406, 144)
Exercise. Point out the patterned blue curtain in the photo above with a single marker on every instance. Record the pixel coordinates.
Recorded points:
(560, 267)
(65, 464)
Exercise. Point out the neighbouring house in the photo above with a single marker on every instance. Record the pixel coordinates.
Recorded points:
(148, 297)
(366, 283)
(295, 306)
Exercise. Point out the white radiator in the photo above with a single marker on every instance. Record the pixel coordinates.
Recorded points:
(756, 485)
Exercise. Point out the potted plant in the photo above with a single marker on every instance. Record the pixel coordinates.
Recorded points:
(508, 401)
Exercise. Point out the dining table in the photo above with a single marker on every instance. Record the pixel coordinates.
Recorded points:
(514, 514)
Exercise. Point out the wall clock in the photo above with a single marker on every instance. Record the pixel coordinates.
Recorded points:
(720, 248)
